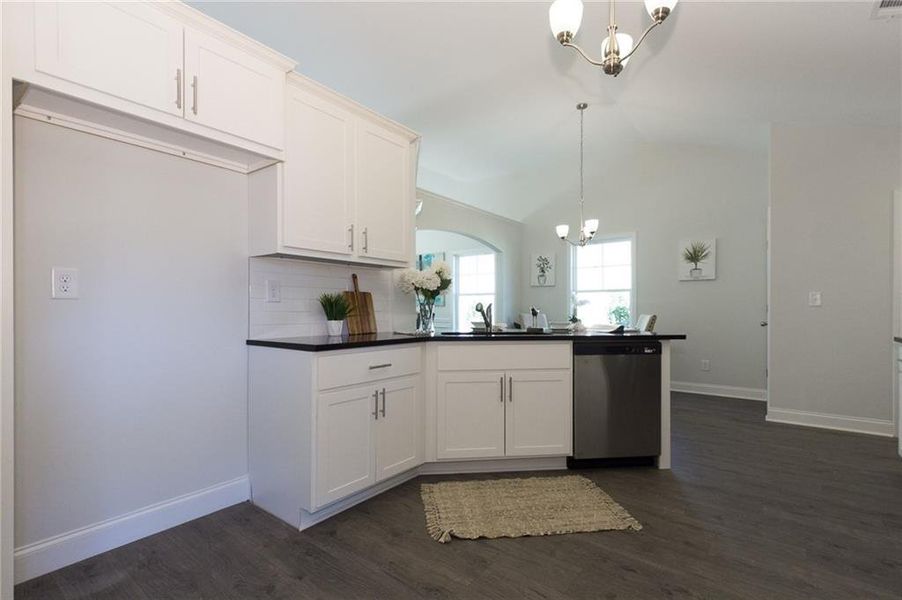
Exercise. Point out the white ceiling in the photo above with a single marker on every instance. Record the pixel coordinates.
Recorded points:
(494, 94)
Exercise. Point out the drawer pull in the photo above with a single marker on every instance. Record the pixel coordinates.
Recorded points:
(382, 366)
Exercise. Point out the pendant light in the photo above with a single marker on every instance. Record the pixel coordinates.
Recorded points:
(565, 17)
(589, 227)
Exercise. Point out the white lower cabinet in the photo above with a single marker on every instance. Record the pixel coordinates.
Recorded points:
(365, 434)
(538, 417)
(344, 443)
(470, 414)
(490, 414)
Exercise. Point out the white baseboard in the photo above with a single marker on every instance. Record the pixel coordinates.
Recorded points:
(828, 421)
(54, 553)
(727, 391)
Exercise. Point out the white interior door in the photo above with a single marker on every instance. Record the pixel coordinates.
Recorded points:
(344, 443)
(126, 49)
(539, 413)
(319, 175)
(384, 193)
(232, 91)
(398, 428)
(470, 414)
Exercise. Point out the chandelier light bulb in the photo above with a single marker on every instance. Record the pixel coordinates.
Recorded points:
(565, 17)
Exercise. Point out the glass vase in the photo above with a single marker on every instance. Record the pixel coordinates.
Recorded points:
(426, 316)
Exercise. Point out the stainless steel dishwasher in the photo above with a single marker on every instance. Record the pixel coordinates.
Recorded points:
(616, 401)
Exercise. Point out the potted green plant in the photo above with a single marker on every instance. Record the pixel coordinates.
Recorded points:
(695, 253)
(337, 309)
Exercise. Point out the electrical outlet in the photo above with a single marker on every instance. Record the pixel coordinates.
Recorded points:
(814, 298)
(64, 283)
(706, 364)
(273, 290)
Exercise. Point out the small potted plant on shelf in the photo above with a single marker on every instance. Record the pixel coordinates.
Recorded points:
(337, 310)
(695, 253)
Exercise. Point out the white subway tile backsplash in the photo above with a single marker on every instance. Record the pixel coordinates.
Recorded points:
(302, 282)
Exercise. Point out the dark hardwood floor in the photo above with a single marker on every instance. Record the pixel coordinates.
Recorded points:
(750, 510)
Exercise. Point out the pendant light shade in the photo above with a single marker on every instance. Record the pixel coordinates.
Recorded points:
(565, 17)
(659, 9)
(562, 231)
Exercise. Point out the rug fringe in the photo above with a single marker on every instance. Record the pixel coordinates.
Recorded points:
(433, 522)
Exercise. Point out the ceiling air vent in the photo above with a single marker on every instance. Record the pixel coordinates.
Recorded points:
(887, 9)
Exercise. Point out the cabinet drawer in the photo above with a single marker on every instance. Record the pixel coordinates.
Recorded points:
(497, 356)
(350, 368)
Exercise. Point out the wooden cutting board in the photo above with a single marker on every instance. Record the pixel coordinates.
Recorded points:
(362, 318)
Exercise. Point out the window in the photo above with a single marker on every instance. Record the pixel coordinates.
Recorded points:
(475, 282)
(603, 278)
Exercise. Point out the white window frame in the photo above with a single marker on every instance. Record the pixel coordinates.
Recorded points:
(601, 239)
(456, 295)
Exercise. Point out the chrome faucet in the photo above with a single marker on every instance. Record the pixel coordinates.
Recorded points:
(486, 316)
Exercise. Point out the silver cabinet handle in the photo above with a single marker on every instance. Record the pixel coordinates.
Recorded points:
(382, 366)
(194, 92)
(366, 241)
(376, 404)
(178, 88)
(502, 389)
(383, 402)
(351, 243)
(763, 323)
(510, 389)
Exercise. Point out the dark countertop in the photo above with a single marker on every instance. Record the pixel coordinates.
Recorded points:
(321, 343)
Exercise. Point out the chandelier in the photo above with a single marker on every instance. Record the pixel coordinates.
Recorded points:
(565, 17)
(588, 228)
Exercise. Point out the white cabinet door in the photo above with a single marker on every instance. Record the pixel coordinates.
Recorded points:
(539, 418)
(470, 414)
(319, 175)
(232, 91)
(398, 428)
(344, 443)
(384, 193)
(129, 50)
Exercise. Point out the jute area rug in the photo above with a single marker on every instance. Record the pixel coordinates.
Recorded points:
(495, 508)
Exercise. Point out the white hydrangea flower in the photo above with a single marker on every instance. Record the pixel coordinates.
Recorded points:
(406, 279)
(442, 269)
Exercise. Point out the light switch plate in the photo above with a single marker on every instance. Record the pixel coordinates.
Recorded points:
(273, 290)
(64, 283)
(706, 364)
(814, 298)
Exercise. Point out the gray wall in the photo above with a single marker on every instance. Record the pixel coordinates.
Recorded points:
(665, 194)
(444, 214)
(831, 231)
(135, 393)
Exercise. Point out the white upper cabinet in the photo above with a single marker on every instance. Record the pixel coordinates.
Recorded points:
(233, 91)
(128, 50)
(347, 188)
(163, 62)
(385, 194)
(319, 182)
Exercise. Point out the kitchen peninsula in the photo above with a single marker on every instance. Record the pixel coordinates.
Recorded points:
(336, 420)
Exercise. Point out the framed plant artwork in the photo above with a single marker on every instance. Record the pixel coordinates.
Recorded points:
(697, 259)
(542, 270)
